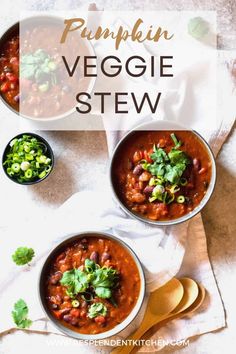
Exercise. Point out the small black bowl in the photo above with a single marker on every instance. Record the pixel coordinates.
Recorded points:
(49, 154)
(14, 30)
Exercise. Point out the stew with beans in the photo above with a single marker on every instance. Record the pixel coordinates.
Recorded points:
(161, 175)
(9, 71)
(93, 285)
(39, 86)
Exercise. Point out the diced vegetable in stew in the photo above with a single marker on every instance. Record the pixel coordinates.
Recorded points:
(93, 285)
(161, 175)
(9, 72)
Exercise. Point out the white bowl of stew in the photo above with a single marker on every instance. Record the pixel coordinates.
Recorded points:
(162, 173)
(92, 286)
(33, 79)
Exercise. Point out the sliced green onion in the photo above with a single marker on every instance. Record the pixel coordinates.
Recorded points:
(152, 181)
(175, 140)
(169, 198)
(180, 199)
(13, 142)
(44, 87)
(52, 66)
(87, 296)
(152, 199)
(25, 165)
(42, 174)
(15, 167)
(174, 188)
(28, 173)
(159, 189)
(183, 181)
(75, 303)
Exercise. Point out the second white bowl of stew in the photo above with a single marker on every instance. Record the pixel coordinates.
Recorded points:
(162, 174)
(92, 286)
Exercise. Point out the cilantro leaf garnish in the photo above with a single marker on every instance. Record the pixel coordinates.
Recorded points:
(167, 170)
(23, 255)
(76, 281)
(97, 309)
(103, 280)
(100, 279)
(159, 155)
(20, 314)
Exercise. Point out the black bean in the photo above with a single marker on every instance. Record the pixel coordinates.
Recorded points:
(137, 170)
(148, 189)
(94, 256)
(105, 257)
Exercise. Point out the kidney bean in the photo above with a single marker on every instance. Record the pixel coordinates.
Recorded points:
(148, 189)
(83, 244)
(57, 299)
(105, 257)
(70, 319)
(7, 69)
(55, 278)
(17, 98)
(137, 170)
(65, 311)
(94, 256)
(196, 164)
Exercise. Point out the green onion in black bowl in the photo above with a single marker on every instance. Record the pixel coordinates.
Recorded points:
(28, 159)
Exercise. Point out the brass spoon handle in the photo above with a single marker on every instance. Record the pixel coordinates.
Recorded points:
(136, 336)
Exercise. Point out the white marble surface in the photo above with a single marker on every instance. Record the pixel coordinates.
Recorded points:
(91, 151)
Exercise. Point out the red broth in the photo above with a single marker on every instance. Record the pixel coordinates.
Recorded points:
(106, 253)
(9, 72)
(132, 183)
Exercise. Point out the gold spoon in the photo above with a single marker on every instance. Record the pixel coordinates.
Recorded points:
(193, 307)
(160, 303)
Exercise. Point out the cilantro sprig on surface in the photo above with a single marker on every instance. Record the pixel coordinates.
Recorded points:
(101, 280)
(167, 170)
(20, 314)
(23, 255)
